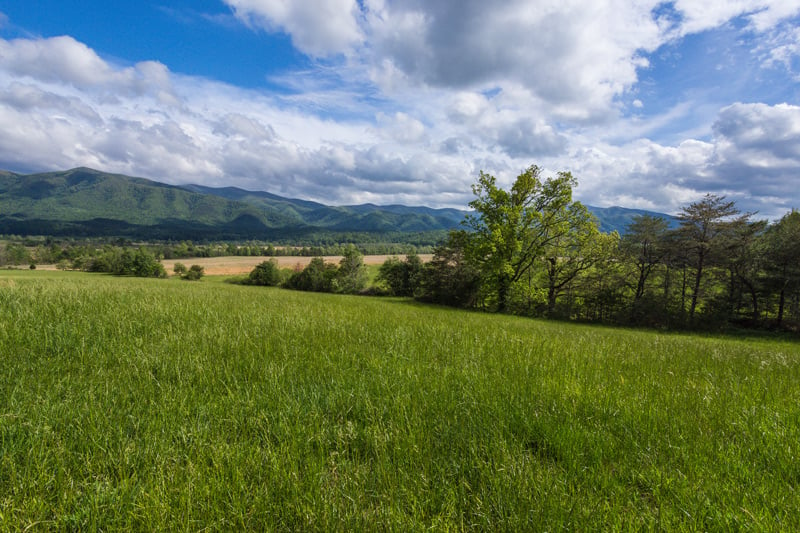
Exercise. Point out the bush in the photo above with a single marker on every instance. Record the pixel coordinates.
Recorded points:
(317, 276)
(265, 274)
(179, 269)
(194, 273)
(401, 277)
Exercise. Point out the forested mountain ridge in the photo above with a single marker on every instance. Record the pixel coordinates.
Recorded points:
(87, 202)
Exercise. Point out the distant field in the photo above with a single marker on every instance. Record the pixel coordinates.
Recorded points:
(140, 404)
(233, 265)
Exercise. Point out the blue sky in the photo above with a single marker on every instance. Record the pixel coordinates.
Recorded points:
(649, 104)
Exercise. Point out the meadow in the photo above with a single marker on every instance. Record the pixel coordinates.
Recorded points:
(142, 404)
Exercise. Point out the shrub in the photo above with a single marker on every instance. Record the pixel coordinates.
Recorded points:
(266, 274)
(401, 277)
(317, 276)
(194, 273)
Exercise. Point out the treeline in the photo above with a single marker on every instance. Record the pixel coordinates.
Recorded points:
(75, 255)
(534, 251)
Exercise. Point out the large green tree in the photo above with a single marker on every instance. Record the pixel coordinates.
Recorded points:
(702, 225)
(512, 229)
(577, 247)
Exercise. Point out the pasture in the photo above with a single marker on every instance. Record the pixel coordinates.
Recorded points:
(141, 404)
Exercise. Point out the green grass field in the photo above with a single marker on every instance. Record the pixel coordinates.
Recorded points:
(135, 404)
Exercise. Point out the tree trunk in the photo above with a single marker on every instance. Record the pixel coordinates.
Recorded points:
(551, 289)
(503, 285)
(753, 296)
(696, 289)
(683, 295)
(640, 285)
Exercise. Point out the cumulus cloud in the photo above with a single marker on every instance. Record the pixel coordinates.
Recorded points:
(758, 150)
(218, 135)
(319, 28)
(428, 94)
(753, 158)
(561, 52)
(762, 14)
(575, 56)
(63, 60)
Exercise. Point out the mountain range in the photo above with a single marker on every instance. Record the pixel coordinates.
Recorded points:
(87, 202)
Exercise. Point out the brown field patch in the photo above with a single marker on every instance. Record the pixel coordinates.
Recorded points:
(234, 265)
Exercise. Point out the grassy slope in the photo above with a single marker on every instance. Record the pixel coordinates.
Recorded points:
(153, 404)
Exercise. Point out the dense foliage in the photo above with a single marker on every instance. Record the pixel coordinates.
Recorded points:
(266, 273)
(349, 277)
(534, 251)
(125, 262)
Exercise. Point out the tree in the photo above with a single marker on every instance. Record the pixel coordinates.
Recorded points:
(266, 274)
(179, 269)
(352, 274)
(317, 276)
(702, 223)
(782, 242)
(402, 277)
(145, 265)
(511, 229)
(449, 278)
(742, 254)
(643, 245)
(576, 247)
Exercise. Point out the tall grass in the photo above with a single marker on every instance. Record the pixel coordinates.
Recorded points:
(162, 405)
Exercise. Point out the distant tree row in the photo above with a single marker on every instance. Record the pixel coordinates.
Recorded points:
(25, 251)
(533, 250)
(125, 262)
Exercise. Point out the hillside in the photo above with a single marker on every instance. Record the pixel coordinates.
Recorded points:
(618, 218)
(87, 202)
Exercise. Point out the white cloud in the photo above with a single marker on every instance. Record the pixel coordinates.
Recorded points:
(577, 58)
(318, 28)
(429, 93)
(762, 14)
(753, 158)
(401, 128)
(63, 60)
(59, 59)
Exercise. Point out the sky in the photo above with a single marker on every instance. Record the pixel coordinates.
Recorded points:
(648, 104)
